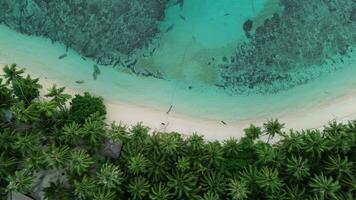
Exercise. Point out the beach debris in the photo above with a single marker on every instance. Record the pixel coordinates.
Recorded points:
(182, 17)
(169, 28)
(62, 56)
(96, 72)
(169, 110)
(223, 122)
(80, 81)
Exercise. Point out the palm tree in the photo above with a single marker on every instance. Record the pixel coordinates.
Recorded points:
(58, 96)
(324, 187)
(25, 115)
(160, 192)
(138, 188)
(196, 142)
(213, 155)
(295, 192)
(238, 190)
(79, 162)
(6, 96)
(268, 180)
(210, 196)
(293, 142)
(104, 194)
(298, 167)
(338, 166)
(314, 143)
(138, 164)
(253, 132)
(26, 89)
(27, 144)
(93, 131)
(71, 133)
(84, 188)
(11, 73)
(273, 127)
(109, 176)
(8, 164)
(231, 148)
(183, 185)
(56, 157)
(57, 190)
(266, 153)
(21, 181)
(157, 168)
(214, 182)
(183, 164)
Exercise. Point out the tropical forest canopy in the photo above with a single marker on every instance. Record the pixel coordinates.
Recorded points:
(60, 147)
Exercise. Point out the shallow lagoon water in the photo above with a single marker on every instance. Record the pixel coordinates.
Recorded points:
(207, 30)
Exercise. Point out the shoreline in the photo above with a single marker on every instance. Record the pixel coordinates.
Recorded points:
(130, 114)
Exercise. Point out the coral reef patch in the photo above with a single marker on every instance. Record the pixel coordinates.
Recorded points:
(103, 30)
(291, 47)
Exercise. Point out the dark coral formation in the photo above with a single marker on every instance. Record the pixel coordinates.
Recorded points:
(100, 29)
(279, 53)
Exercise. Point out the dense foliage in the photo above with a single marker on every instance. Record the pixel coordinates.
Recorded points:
(40, 139)
(83, 106)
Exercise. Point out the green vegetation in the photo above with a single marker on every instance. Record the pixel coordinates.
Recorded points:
(40, 138)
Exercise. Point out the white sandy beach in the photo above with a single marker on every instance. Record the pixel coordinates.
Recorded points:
(340, 109)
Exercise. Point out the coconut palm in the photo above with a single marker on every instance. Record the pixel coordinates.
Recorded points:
(298, 167)
(210, 196)
(58, 96)
(6, 96)
(56, 156)
(160, 192)
(253, 132)
(57, 190)
(71, 133)
(7, 163)
(314, 144)
(293, 142)
(213, 155)
(11, 73)
(268, 180)
(93, 131)
(84, 188)
(213, 181)
(171, 144)
(26, 89)
(238, 190)
(109, 176)
(273, 127)
(79, 162)
(338, 166)
(104, 194)
(183, 185)
(138, 188)
(266, 154)
(27, 144)
(48, 109)
(138, 164)
(21, 181)
(324, 187)
(21, 114)
(196, 143)
(183, 164)
(157, 168)
(295, 192)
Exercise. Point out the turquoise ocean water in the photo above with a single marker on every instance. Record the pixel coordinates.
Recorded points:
(191, 37)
